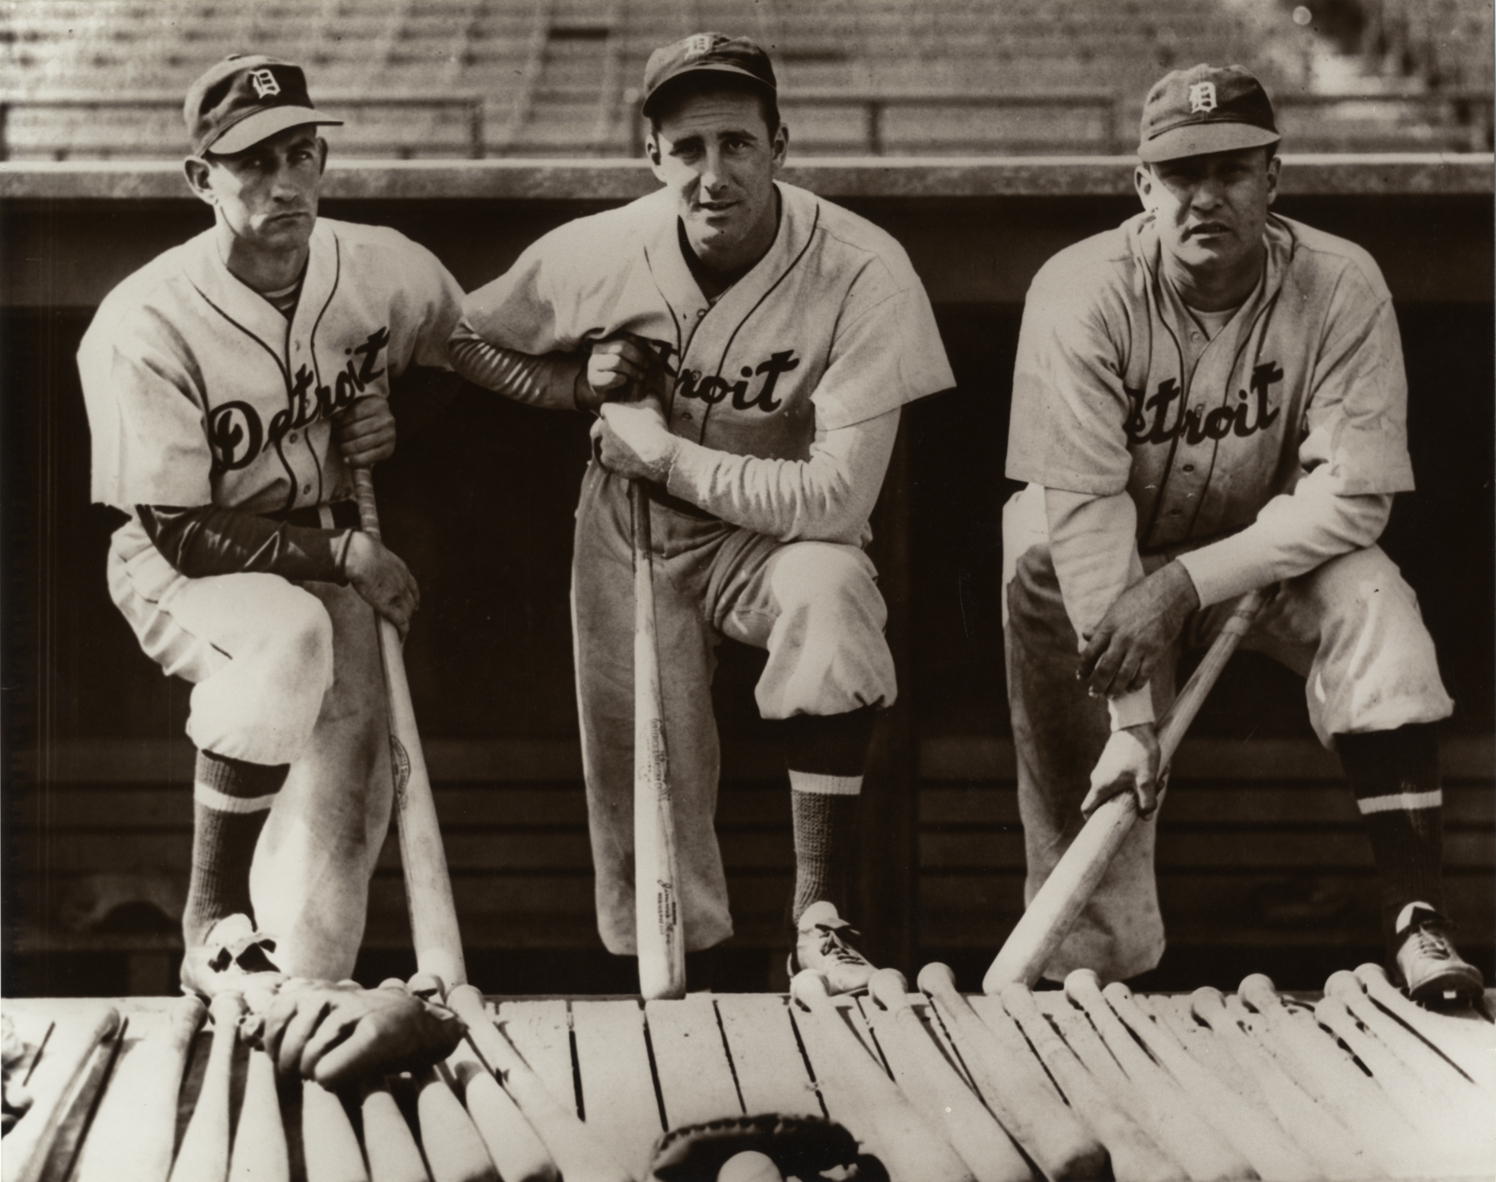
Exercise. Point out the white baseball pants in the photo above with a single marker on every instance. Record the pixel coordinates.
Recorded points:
(281, 673)
(1351, 628)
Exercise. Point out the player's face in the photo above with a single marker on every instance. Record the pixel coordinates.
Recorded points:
(1211, 210)
(266, 195)
(715, 152)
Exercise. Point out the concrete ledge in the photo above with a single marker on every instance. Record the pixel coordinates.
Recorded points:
(1434, 174)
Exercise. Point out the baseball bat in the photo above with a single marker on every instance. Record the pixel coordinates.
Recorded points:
(933, 1084)
(660, 944)
(1311, 1126)
(1135, 1157)
(260, 1153)
(1314, 1058)
(1014, 1086)
(454, 1150)
(1432, 1028)
(152, 1127)
(389, 1145)
(516, 1149)
(428, 888)
(204, 1155)
(576, 1149)
(1255, 1134)
(29, 1141)
(1182, 1130)
(329, 1146)
(867, 1101)
(1052, 912)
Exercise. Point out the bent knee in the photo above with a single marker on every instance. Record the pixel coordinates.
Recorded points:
(825, 576)
(298, 643)
(1361, 587)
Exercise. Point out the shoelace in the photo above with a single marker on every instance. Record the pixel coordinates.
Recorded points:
(833, 946)
(1433, 943)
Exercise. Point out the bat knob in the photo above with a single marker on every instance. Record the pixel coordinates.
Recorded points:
(936, 978)
(392, 983)
(1344, 984)
(1117, 991)
(809, 986)
(889, 988)
(1207, 1004)
(1369, 974)
(1083, 985)
(749, 1166)
(1259, 992)
(427, 986)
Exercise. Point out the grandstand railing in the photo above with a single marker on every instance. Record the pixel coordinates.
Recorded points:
(469, 105)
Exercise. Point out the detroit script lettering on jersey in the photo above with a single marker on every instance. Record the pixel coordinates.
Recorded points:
(1148, 415)
(713, 388)
(236, 434)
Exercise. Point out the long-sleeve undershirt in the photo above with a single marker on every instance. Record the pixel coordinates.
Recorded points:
(827, 497)
(210, 540)
(1093, 543)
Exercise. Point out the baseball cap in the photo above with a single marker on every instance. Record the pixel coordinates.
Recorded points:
(716, 52)
(243, 100)
(1205, 109)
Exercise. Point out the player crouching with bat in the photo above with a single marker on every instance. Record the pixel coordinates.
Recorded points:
(231, 384)
(1207, 400)
(774, 338)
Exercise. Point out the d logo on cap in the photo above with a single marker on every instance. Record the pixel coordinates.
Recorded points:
(1203, 98)
(264, 83)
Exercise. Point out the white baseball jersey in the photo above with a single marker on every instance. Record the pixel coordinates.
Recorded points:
(200, 392)
(1116, 387)
(832, 327)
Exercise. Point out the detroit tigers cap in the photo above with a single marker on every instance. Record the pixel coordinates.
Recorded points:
(716, 52)
(1205, 109)
(243, 100)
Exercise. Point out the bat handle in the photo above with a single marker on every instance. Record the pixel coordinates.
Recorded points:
(363, 493)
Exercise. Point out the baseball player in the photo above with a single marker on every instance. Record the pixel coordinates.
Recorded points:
(1206, 400)
(230, 384)
(775, 338)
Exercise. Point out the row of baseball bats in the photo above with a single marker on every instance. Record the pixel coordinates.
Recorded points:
(940, 1086)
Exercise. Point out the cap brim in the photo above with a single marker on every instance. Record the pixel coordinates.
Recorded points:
(1201, 139)
(264, 124)
(666, 84)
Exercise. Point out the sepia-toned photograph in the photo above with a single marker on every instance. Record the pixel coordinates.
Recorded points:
(703, 591)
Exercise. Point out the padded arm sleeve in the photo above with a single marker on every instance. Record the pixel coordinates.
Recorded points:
(209, 540)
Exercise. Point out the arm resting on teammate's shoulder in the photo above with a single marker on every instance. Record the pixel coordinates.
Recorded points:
(828, 497)
(551, 381)
(211, 540)
(1093, 545)
(1292, 535)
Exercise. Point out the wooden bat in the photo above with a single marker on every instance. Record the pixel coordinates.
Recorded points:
(1182, 1130)
(576, 1149)
(1313, 1127)
(1135, 1157)
(660, 943)
(204, 1155)
(428, 888)
(1254, 1133)
(454, 1150)
(1052, 913)
(329, 1146)
(931, 1081)
(865, 1099)
(516, 1149)
(1432, 1028)
(260, 1153)
(1332, 1077)
(155, 1069)
(29, 1141)
(389, 1145)
(1014, 1086)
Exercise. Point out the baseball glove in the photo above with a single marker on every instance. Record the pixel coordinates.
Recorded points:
(809, 1148)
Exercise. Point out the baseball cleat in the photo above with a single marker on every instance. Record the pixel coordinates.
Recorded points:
(234, 957)
(1426, 961)
(821, 943)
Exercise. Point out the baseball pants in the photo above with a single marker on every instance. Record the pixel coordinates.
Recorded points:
(282, 674)
(1351, 628)
(814, 606)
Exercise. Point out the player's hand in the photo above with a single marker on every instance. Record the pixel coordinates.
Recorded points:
(633, 441)
(1128, 763)
(365, 431)
(383, 579)
(623, 366)
(1136, 631)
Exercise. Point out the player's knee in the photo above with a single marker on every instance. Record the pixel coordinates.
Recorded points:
(825, 580)
(1364, 591)
(304, 643)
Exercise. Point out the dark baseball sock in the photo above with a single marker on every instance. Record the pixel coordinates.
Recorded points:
(1395, 776)
(826, 755)
(231, 799)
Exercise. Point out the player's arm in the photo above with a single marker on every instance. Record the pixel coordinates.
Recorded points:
(827, 497)
(555, 381)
